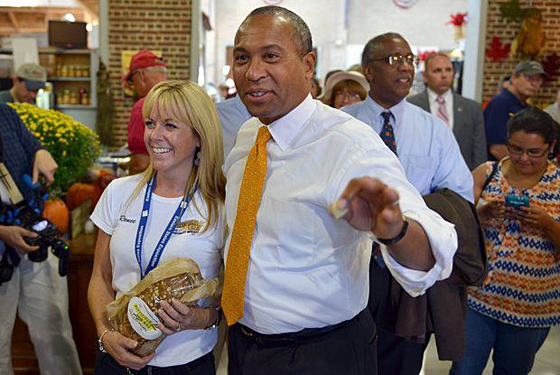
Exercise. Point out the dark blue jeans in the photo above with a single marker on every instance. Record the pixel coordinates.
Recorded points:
(514, 347)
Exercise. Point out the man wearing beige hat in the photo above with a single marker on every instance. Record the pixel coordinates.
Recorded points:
(526, 80)
(28, 80)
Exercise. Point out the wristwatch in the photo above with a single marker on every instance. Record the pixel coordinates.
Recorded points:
(398, 237)
(218, 321)
(100, 340)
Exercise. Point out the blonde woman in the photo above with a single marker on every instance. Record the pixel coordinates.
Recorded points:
(184, 142)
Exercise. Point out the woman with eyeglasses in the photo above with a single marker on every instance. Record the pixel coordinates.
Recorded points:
(518, 202)
(344, 88)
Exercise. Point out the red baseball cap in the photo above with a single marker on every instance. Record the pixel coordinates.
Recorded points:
(143, 59)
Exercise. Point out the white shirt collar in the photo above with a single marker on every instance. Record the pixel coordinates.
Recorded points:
(448, 95)
(286, 128)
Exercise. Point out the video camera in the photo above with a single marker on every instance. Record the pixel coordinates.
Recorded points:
(28, 215)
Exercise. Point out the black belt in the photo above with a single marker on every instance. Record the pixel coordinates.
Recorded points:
(292, 337)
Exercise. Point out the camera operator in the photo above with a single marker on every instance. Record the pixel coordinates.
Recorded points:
(35, 290)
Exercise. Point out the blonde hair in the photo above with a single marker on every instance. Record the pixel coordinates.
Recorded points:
(187, 102)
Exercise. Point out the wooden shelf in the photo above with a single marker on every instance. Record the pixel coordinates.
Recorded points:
(69, 79)
(74, 106)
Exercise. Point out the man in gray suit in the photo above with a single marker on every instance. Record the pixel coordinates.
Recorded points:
(462, 115)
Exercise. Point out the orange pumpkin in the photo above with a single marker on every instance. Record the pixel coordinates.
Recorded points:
(57, 213)
(79, 193)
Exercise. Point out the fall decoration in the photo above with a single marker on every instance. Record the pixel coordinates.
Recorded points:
(531, 39)
(425, 54)
(551, 65)
(497, 51)
(72, 144)
(57, 213)
(81, 192)
(458, 19)
(511, 10)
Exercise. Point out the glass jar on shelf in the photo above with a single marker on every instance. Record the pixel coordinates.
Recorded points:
(58, 67)
(59, 98)
(74, 98)
(65, 96)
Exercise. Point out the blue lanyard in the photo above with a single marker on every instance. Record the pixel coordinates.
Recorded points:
(139, 244)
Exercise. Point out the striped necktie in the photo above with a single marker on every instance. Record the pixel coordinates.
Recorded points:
(442, 110)
(233, 296)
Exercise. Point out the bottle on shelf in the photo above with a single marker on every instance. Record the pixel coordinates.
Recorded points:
(66, 96)
(83, 96)
(74, 98)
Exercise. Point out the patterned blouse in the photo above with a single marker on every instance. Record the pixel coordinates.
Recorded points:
(523, 283)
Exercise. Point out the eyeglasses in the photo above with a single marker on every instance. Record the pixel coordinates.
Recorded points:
(532, 153)
(534, 79)
(397, 59)
(344, 94)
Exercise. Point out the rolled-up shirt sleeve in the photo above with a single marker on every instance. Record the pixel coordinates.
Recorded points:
(443, 242)
(379, 162)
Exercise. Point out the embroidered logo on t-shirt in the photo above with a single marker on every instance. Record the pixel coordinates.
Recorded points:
(125, 219)
(189, 226)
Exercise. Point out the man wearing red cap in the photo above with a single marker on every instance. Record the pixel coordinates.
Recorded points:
(145, 71)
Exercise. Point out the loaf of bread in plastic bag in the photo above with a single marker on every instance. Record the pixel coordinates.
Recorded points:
(134, 314)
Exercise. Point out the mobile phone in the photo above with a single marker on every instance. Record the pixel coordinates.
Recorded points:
(516, 201)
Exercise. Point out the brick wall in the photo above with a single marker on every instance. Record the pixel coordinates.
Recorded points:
(163, 25)
(494, 72)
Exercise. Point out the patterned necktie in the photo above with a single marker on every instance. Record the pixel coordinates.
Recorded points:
(442, 110)
(233, 296)
(387, 134)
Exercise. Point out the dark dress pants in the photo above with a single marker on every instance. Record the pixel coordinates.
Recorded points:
(347, 350)
(106, 365)
(395, 355)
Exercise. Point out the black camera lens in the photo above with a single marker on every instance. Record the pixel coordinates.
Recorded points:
(39, 255)
(62, 251)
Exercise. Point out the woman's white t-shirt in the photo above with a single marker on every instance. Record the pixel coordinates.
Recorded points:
(114, 217)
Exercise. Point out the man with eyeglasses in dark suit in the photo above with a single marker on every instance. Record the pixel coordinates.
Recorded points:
(431, 158)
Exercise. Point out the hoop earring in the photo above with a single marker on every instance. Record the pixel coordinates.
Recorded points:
(197, 157)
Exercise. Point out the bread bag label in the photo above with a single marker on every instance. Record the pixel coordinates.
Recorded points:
(142, 319)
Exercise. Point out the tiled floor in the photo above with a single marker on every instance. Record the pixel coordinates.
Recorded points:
(546, 363)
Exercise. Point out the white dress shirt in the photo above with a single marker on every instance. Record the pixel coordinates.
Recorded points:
(434, 105)
(307, 269)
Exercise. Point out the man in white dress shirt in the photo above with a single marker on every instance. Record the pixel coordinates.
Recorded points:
(300, 307)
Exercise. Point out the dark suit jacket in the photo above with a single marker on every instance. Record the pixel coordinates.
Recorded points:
(468, 126)
(442, 309)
